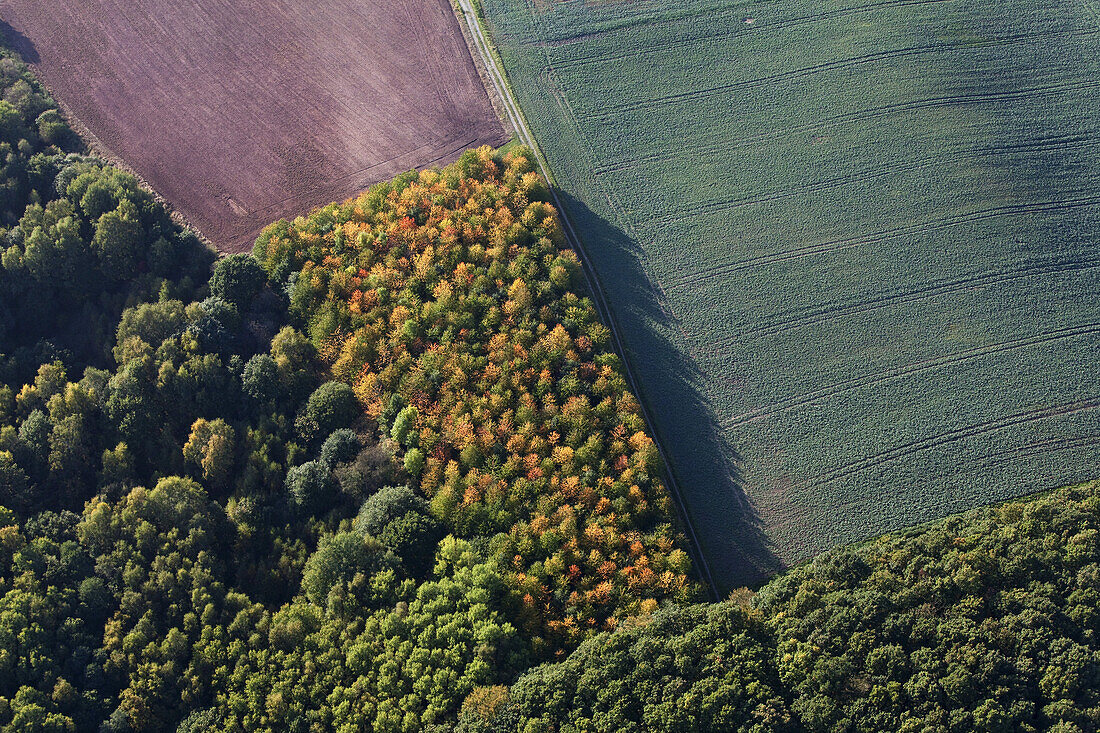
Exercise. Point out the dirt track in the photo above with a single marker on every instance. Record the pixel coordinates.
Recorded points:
(239, 112)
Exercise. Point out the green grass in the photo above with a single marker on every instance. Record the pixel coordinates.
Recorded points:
(851, 246)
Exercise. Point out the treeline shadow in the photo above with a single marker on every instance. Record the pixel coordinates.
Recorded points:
(704, 464)
(16, 41)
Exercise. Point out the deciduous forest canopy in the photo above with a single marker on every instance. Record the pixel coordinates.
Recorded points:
(385, 474)
(985, 621)
(341, 485)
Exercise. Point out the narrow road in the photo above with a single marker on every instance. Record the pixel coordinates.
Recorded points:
(515, 118)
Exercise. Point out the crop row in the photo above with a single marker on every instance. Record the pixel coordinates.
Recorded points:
(846, 241)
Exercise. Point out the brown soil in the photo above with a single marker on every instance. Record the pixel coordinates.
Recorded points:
(240, 112)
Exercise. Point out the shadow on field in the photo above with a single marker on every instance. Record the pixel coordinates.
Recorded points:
(19, 43)
(705, 465)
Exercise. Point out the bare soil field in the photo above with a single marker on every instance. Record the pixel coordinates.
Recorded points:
(240, 112)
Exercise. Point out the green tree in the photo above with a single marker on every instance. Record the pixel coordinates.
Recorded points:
(331, 406)
(414, 462)
(53, 130)
(345, 563)
(260, 379)
(339, 447)
(310, 486)
(15, 485)
(151, 323)
(385, 506)
(71, 467)
(404, 426)
(117, 465)
(118, 241)
(238, 278)
(162, 552)
(413, 537)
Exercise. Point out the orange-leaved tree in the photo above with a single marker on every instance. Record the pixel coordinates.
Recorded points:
(448, 300)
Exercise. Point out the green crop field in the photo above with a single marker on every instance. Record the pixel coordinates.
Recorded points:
(852, 247)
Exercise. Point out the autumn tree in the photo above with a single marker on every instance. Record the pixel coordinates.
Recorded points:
(211, 449)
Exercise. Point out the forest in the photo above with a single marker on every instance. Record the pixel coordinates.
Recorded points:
(446, 299)
(985, 621)
(341, 485)
(385, 474)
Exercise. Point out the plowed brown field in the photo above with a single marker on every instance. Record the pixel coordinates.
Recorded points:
(239, 112)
